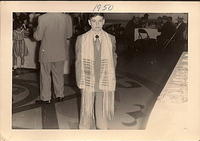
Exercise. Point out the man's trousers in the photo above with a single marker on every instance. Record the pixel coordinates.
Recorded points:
(96, 102)
(57, 70)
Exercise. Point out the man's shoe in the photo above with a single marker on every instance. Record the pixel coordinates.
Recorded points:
(42, 102)
(59, 99)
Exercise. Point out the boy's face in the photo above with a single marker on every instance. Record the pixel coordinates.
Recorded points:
(96, 23)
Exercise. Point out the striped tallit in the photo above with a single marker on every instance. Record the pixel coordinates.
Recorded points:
(107, 80)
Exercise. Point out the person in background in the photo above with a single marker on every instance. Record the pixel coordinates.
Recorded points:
(181, 34)
(145, 21)
(167, 31)
(159, 23)
(130, 33)
(95, 74)
(19, 48)
(54, 31)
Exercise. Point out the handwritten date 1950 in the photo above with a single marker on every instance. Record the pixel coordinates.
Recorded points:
(100, 7)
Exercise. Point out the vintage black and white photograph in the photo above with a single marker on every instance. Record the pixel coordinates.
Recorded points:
(98, 71)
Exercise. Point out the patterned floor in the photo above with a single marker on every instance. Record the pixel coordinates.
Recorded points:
(138, 85)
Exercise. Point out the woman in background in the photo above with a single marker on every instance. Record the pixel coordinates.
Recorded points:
(19, 48)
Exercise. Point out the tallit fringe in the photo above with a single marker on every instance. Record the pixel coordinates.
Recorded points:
(87, 108)
(108, 105)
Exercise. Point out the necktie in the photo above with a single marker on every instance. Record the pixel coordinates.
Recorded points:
(97, 43)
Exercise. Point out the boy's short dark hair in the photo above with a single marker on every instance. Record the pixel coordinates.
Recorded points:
(91, 15)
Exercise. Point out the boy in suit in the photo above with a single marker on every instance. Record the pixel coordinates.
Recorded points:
(95, 73)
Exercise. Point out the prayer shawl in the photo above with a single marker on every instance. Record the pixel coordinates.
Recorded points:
(107, 81)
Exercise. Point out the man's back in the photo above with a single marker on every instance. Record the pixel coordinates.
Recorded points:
(55, 28)
(53, 31)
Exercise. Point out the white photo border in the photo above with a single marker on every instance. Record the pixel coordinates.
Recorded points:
(6, 131)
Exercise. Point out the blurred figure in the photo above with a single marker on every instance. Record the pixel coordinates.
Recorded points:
(181, 34)
(145, 20)
(167, 31)
(159, 23)
(129, 32)
(19, 48)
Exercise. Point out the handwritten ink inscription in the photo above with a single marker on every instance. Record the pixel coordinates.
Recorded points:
(101, 7)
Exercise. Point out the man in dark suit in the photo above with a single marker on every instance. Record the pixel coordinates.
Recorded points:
(180, 36)
(95, 73)
(167, 31)
(130, 32)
